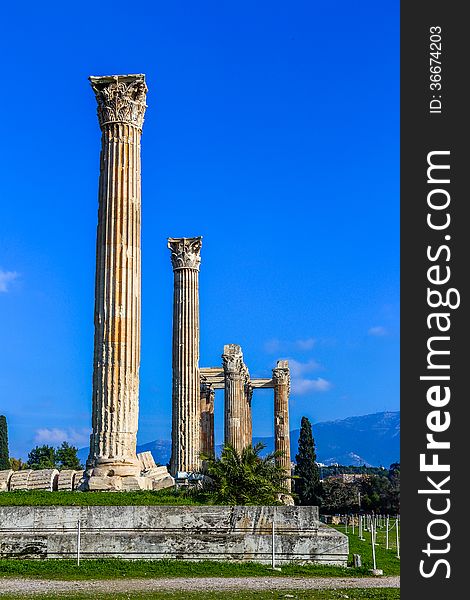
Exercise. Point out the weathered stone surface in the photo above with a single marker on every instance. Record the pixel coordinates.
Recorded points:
(106, 484)
(5, 480)
(66, 479)
(121, 108)
(185, 433)
(160, 483)
(281, 379)
(157, 472)
(134, 484)
(207, 445)
(43, 479)
(286, 499)
(181, 532)
(19, 480)
(237, 421)
(146, 460)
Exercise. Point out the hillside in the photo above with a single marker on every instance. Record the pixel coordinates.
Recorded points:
(373, 440)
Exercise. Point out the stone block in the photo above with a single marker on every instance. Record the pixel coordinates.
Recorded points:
(43, 479)
(157, 472)
(103, 484)
(164, 482)
(66, 479)
(146, 460)
(132, 484)
(5, 477)
(19, 480)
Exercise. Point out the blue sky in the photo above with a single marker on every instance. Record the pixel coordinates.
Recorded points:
(272, 130)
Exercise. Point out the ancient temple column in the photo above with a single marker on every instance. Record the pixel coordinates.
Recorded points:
(121, 108)
(248, 419)
(281, 381)
(207, 420)
(236, 378)
(185, 435)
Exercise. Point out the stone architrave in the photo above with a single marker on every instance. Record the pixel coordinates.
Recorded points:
(281, 380)
(121, 107)
(19, 480)
(5, 477)
(236, 427)
(43, 479)
(207, 420)
(185, 434)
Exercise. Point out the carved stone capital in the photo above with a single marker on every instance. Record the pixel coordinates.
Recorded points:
(185, 253)
(121, 99)
(281, 374)
(232, 360)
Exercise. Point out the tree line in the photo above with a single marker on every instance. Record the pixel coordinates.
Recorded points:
(246, 477)
(40, 457)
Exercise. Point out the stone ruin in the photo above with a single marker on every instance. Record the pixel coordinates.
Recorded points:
(49, 480)
(113, 463)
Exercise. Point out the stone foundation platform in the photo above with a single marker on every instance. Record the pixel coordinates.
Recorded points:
(238, 533)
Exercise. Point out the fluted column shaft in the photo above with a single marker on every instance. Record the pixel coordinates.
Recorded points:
(207, 446)
(235, 413)
(186, 385)
(281, 379)
(248, 424)
(115, 402)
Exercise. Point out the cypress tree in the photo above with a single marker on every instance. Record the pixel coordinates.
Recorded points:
(307, 484)
(4, 455)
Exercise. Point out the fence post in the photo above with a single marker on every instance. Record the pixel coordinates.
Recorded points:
(78, 542)
(273, 544)
(398, 538)
(372, 537)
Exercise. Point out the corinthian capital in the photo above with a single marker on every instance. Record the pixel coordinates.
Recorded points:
(281, 373)
(232, 359)
(185, 252)
(121, 99)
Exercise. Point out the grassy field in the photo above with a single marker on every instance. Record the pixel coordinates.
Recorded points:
(166, 497)
(336, 594)
(116, 568)
(385, 559)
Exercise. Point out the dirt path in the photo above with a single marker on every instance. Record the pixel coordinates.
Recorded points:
(35, 586)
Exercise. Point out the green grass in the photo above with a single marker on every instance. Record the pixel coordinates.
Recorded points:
(385, 559)
(336, 594)
(140, 498)
(115, 568)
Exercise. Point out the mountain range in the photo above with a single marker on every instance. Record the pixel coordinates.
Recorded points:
(372, 440)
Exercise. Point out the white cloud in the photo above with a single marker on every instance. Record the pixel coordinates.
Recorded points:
(6, 277)
(307, 344)
(377, 331)
(297, 368)
(56, 436)
(275, 345)
(303, 385)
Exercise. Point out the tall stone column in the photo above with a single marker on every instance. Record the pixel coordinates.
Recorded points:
(236, 378)
(207, 446)
(281, 380)
(248, 419)
(121, 108)
(185, 435)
